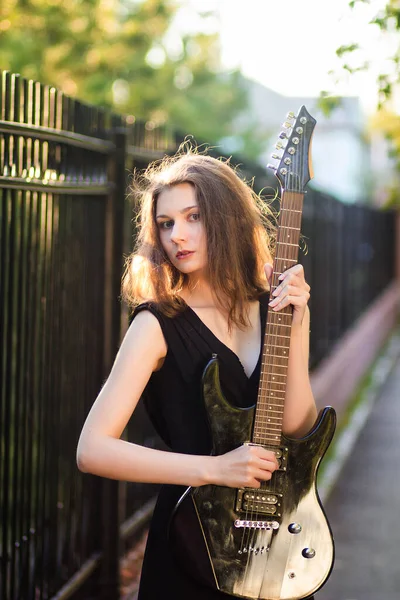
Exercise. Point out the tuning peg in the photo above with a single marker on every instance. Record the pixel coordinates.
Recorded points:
(276, 156)
(279, 145)
(283, 135)
(290, 116)
(269, 166)
(287, 125)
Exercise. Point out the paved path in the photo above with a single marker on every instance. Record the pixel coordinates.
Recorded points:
(364, 508)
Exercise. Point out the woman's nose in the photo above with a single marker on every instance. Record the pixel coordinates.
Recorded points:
(178, 232)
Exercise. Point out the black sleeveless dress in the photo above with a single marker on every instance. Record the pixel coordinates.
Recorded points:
(174, 403)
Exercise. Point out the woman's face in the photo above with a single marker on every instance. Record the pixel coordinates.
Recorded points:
(181, 231)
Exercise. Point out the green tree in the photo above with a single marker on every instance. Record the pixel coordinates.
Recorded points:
(388, 21)
(357, 58)
(118, 54)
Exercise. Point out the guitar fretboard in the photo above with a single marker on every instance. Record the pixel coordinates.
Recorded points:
(275, 355)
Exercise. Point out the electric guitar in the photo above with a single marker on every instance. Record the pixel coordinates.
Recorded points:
(272, 543)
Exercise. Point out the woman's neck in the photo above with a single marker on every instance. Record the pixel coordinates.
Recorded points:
(198, 294)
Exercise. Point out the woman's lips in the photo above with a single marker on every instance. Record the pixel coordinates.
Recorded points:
(184, 254)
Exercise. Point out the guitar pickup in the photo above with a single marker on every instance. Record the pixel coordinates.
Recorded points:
(281, 456)
(261, 502)
(280, 453)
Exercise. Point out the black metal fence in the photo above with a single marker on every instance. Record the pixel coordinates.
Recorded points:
(350, 260)
(65, 225)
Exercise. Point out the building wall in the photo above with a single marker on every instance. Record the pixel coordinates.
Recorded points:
(340, 150)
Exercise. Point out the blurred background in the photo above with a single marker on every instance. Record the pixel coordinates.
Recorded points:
(91, 90)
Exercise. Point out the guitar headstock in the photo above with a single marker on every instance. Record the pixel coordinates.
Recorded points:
(294, 169)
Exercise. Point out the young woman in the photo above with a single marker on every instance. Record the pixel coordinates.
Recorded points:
(199, 282)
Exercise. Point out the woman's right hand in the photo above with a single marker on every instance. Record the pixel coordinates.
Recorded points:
(246, 466)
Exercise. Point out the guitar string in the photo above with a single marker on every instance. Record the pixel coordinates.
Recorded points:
(249, 514)
(289, 220)
(251, 545)
(252, 532)
(264, 380)
(274, 414)
(277, 363)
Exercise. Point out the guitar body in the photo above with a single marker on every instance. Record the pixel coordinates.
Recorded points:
(273, 544)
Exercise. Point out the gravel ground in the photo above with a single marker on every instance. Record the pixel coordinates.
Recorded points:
(130, 567)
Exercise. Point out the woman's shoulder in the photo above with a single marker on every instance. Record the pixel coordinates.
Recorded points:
(170, 334)
(145, 334)
(147, 312)
(146, 316)
(153, 307)
(150, 311)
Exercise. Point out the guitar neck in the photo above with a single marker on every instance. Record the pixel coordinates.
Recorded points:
(268, 419)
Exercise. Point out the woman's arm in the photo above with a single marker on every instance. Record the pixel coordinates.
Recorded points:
(101, 452)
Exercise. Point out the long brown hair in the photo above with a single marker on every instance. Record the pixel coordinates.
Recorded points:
(238, 228)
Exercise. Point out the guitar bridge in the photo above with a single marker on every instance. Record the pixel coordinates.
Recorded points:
(256, 524)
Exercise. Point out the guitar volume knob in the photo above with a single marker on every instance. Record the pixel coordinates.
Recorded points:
(294, 528)
(308, 552)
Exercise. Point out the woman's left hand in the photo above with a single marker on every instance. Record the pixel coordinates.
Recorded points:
(293, 289)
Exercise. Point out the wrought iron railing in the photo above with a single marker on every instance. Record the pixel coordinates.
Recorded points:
(62, 210)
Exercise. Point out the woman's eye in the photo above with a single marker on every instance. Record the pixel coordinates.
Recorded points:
(194, 217)
(166, 225)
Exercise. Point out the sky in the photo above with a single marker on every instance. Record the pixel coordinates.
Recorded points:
(290, 45)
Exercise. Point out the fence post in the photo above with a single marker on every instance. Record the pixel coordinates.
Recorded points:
(114, 246)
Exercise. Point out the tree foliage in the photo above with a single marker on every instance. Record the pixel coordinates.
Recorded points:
(356, 58)
(388, 21)
(119, 54)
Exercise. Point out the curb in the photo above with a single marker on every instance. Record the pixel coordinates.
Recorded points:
(348, 436)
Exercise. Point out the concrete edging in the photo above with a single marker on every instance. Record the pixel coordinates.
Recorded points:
(338, 377)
